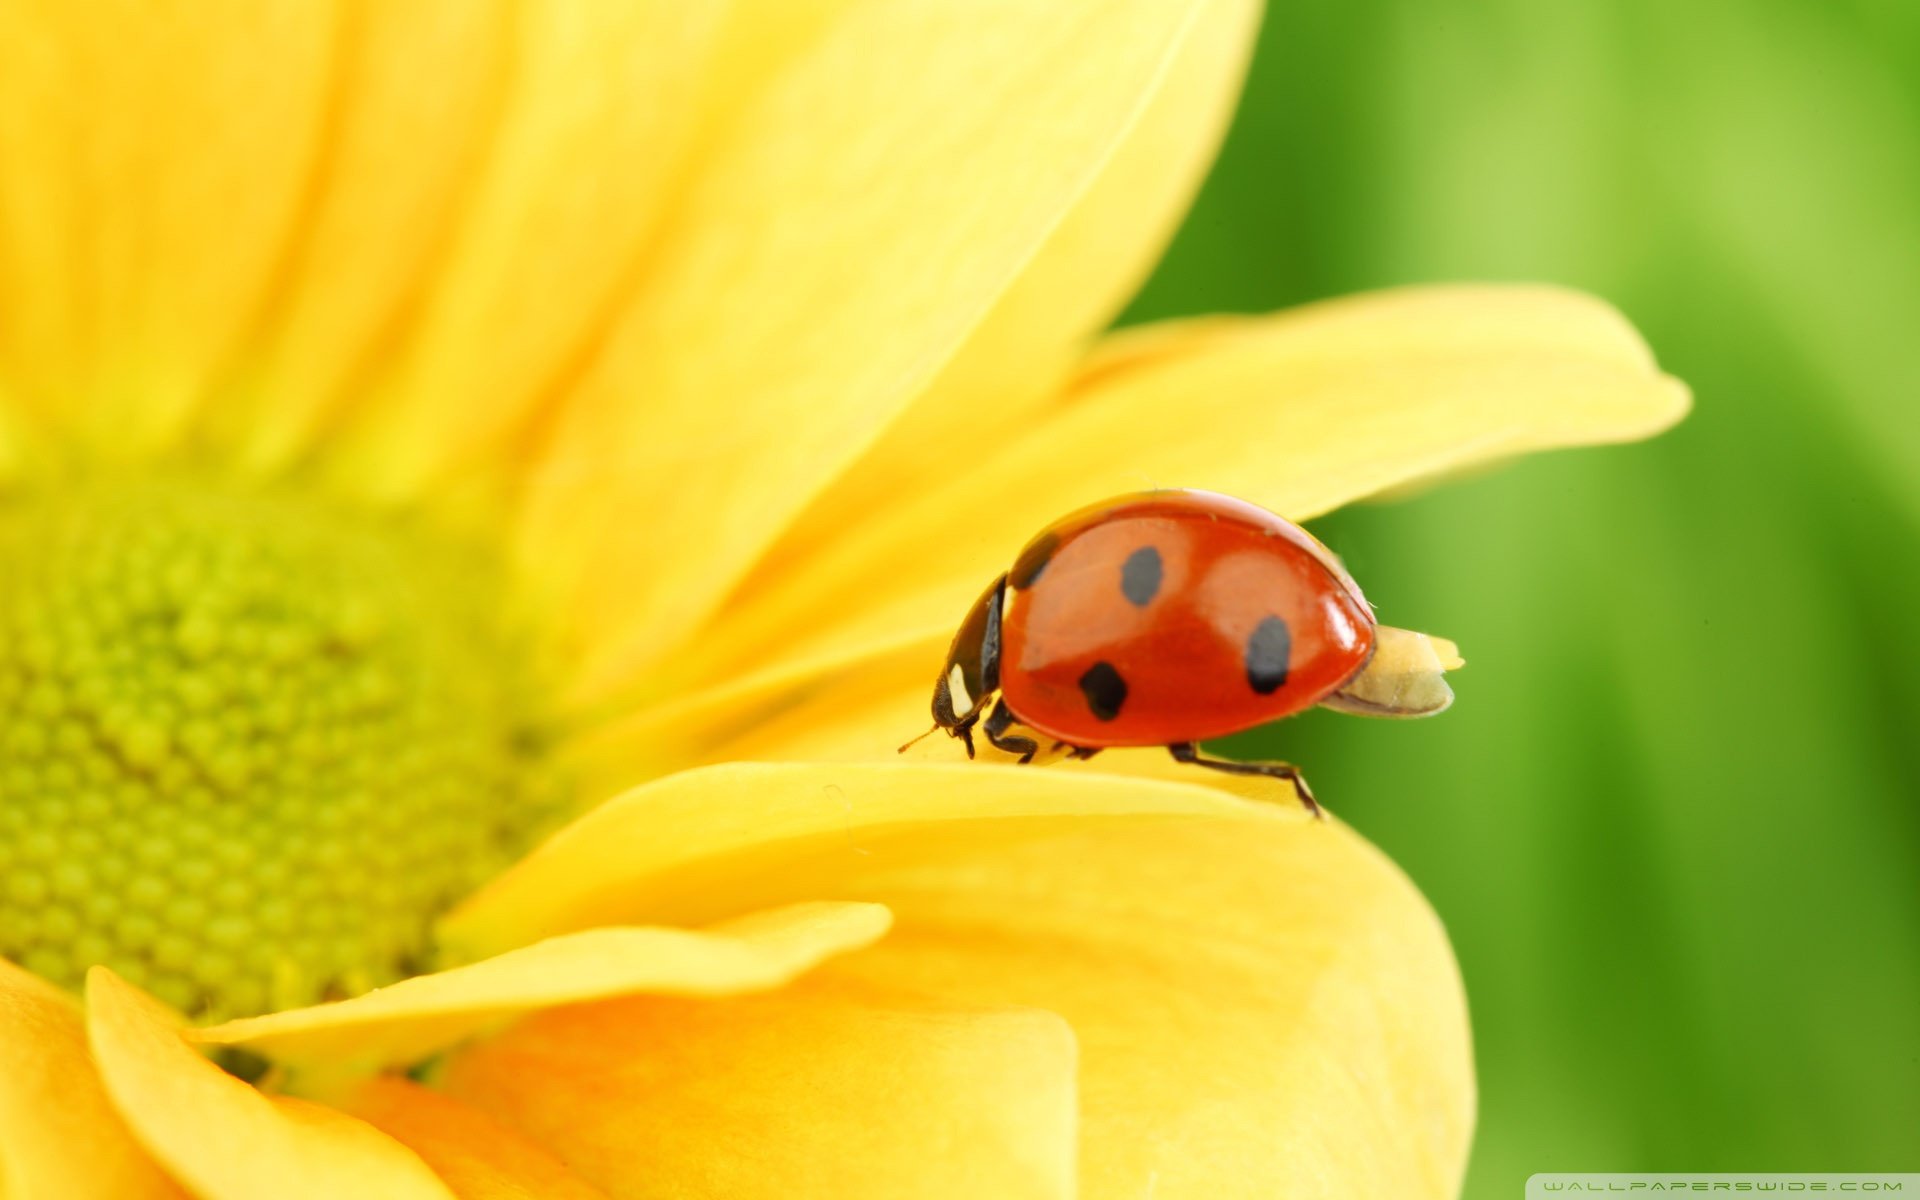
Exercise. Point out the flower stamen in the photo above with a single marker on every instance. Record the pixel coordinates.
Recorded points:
(251, 742)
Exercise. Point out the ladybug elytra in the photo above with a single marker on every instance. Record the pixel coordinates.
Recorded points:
(1168, 618)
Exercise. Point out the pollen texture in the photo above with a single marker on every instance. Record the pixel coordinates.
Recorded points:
(250, 744)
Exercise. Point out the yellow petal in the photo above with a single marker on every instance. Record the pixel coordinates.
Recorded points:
(864, 713)
(474, 1155)
(858, 219)
(1027, 346)
(861, 712)
(835, 1092)
(383, 199)
(591, 136)
(14, 441)
(1270, 1000)
(1300, 412)
(59, 1136)
(702, 844)
(220, 1137)
(150, 177)
(882, 692)
(409, 1020)
(1263, 1008)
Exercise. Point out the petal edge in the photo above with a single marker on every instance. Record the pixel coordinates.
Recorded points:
(218, 1135)
(407, 1021)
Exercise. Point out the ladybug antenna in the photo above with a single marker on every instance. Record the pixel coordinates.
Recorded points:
(922, 737)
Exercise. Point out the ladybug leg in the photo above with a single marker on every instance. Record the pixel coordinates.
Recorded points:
(1187, 752)
(1083, 753)
(964, 731)
(998, 722)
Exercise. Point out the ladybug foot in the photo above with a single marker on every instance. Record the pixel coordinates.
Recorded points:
(1187, 752)
(1083, 753)
(998, 722)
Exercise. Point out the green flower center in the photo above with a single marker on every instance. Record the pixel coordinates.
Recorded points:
(251, 744)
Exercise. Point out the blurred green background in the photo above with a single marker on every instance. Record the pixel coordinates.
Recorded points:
(1673, 822)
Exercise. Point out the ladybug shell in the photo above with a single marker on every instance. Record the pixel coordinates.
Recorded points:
(1175, 616)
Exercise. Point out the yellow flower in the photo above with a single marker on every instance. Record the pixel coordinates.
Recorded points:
(420, 422)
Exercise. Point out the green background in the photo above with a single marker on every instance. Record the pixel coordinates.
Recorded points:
(1673, 822)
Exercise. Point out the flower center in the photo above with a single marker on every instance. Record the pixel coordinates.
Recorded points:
(251, 743)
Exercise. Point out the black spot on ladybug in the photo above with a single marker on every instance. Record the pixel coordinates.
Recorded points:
(1033, 560)
(1104, 689)
(1267, 653)
(1140, 576)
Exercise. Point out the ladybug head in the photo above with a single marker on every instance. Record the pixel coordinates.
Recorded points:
(971, 674)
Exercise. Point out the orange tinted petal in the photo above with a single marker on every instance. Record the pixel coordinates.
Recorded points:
(835, 1092)
(476, 1156)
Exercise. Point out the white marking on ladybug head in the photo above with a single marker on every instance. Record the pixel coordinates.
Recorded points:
(957, 691)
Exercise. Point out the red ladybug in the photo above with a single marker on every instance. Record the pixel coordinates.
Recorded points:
(1167, 618)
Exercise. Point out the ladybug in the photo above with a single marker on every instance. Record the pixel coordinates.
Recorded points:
(1167, 618)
